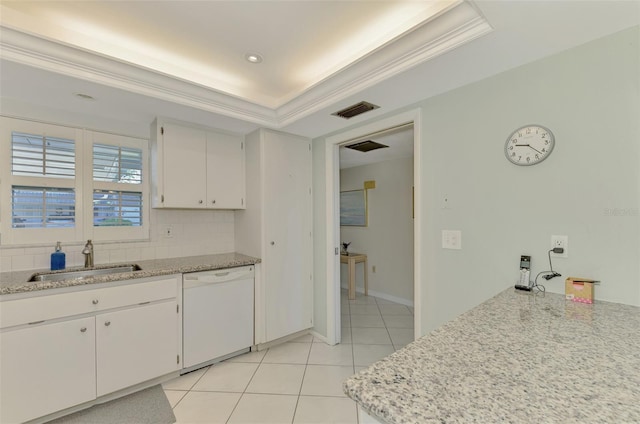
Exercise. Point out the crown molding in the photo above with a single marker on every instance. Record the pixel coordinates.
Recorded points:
(63, 59)
(453, 27)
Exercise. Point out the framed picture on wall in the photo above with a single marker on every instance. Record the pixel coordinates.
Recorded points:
(353, 208)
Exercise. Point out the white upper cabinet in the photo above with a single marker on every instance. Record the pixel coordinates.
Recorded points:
(225, 171)
(196, 168)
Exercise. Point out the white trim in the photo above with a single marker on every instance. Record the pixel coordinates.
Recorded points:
(331, 212)
(456, 24)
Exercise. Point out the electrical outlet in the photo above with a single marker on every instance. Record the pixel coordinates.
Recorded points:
(168, 232)
(560, 241)
(373, 269)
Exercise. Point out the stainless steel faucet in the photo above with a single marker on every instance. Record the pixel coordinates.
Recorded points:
(88, 254)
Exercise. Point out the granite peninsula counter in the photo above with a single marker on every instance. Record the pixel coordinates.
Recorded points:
(516, 358)
(18, 281)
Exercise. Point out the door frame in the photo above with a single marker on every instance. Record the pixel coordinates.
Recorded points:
(332, 213)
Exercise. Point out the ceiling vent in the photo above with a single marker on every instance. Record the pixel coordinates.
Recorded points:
(366, 146)
(355, 110)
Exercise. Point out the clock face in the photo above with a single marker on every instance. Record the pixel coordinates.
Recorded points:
(529, 145)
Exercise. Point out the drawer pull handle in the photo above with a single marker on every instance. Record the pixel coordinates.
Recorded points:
(83, 329)
(108, 323)
(94, 301)
(36, 322)
(144, 303)
(221, 274)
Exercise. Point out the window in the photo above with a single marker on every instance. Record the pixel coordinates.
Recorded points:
(42, 157)
(42, 207)
(118, 188)
(117, 208)
(68, 184)
(117, 165)
(37, 155)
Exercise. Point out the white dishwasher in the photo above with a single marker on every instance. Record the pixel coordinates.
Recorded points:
(217, 315)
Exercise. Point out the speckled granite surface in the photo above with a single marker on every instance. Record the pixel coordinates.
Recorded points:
(516, 358)
(18, 282)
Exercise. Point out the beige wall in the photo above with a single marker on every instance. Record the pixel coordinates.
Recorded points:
(388, 239)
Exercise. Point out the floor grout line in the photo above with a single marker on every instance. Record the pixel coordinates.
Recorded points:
(345, 307)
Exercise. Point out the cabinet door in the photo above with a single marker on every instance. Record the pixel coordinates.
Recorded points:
(287, 229)
(46, 368)
(225, 171)
(184, 167)
(135, 345)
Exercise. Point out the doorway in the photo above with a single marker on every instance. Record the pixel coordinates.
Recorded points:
(333, 220)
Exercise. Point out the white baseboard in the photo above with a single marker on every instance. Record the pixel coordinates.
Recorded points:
(385, 296)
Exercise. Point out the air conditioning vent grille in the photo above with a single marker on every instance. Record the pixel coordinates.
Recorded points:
(355, 110)
(366, 146)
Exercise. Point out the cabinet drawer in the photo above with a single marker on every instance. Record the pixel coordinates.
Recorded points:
(42, 308)
(133, 294)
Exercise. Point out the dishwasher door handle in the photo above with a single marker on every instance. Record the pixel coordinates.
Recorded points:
(199, 279)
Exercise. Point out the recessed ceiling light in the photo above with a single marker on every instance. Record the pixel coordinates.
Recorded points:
(253, 57)
(84, 96)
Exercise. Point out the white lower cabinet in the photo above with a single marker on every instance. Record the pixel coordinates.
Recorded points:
(120, 337)
(151, 329)
(47, 368)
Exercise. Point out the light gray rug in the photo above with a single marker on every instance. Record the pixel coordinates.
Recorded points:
(149, 406)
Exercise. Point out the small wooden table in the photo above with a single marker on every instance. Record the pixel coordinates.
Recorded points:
(351, 260)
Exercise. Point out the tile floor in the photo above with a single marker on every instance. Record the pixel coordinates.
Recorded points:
(298, 381)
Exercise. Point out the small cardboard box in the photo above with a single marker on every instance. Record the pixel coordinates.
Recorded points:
(579, 289)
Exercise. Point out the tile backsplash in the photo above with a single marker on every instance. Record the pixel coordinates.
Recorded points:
(193, 232)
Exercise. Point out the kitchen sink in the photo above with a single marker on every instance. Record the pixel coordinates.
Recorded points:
(84, 273)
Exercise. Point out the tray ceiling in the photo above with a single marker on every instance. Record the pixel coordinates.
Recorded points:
(194, 52)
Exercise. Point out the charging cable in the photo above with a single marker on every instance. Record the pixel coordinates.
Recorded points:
(548, 275)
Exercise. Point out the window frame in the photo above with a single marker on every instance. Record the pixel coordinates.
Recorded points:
(82, 184)
(115, 233)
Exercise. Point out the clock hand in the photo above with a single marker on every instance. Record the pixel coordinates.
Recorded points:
(528, 145)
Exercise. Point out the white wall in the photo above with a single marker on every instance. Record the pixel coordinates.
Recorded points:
(194, 233)
(589, 189)
(388, 239)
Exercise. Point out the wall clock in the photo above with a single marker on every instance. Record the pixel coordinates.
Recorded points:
(529, 145)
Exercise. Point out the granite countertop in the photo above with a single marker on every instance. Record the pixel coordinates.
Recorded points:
(516, 358)
(18, 281)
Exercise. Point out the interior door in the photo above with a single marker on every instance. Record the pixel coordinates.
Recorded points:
(288, 224)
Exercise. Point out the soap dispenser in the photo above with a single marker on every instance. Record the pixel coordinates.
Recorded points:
(57, 258)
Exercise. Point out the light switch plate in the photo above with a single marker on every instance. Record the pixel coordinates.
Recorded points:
(452, 239)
